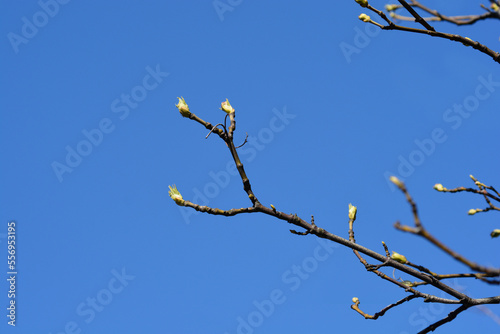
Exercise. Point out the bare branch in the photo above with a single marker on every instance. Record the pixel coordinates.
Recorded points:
(431, 32)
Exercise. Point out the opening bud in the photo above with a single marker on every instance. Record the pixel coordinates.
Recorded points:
(183, 107)
(225, 106)
(352, 212)
(175, 195)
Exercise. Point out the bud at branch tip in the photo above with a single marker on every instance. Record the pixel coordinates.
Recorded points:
(175, 195)
(397, 182)
(364, 18)
(439, 187)
(352, 212)
(226, 106)
(183, 107)
(472, 212)
(362, 3)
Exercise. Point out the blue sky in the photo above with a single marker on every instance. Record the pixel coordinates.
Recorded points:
(91, 139)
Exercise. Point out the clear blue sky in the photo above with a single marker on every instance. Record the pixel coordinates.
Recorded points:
(91, 139)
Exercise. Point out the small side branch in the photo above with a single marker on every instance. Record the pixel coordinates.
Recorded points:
(421, 231)
(452, 315)
(219, 212)
(437, 16)
(356, 308)
(429, 30)
(417, 17)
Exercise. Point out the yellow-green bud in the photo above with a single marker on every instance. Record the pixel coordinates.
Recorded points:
(175, 195)
(397, 182)
(183, 107)
(362, 3)
(495, 233)
(439, 187)
(226, 107)
(479, 184)
(352, 211)
(364, 18)
(398, 257)
(408, 283)
(472, 212)
(494, 6)
(390, 8)
(355, 300)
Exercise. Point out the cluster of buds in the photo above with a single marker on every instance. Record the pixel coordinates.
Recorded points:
(184, 108)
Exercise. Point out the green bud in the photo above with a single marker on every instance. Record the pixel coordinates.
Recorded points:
(226, 107)
(397, 182)
(439, 187)
(175, 195)
(472, 212)
(398, 257)
(352, 211)
(364, 18)
(183, 107)
(362, 3)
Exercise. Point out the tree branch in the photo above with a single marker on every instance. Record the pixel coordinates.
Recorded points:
(428, 31)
